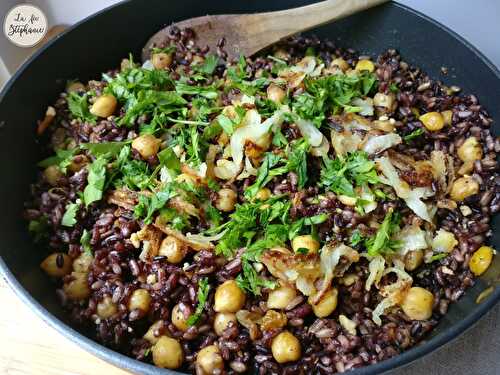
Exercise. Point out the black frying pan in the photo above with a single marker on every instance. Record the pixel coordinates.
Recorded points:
(100, 41)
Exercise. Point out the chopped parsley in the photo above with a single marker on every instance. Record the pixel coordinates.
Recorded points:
(382, 243)
(62, 159)
(331, 94)
(414, 134)
(296, 162)
(96, 180)
(69, 217)
(85, 241)
(208, 66)
(203, 290)
(149, 204)
(341, 175)
(79, 107)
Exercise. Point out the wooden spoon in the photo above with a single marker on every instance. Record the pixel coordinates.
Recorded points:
(249, 33)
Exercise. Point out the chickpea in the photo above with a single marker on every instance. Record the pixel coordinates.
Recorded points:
(167, 353)
(470, 150)
(279, 298)
(263, 194)
(229, 298)
(286, 347)
(150, 334)
(161, 60)
(275, 93)
(226, 200)
(180, 314)
(433, 121)
(75, 86)
(447, 117)
(209, 360)
(106, 308)
(104, 106)
(140, 300)
(77, 289)
(305, 242)
(78, 163)
(222, 322)
(463, 187)
(173, 248)
(56, 265)
(341, 63)
(82, 263)
(326, 305)
(147, 145)
(417, 303)
(365, 65)
(52, 174)
(413, 259)
(481, 260)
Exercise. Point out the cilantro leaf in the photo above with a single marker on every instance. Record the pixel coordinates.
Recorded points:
(203, 290)
(69, 217)
(79, 107)
(95, 181)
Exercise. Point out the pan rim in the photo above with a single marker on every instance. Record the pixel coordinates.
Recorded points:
(136, 366)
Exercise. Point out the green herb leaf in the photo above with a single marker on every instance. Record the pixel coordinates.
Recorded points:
(226, 124)
(79, 107)
(96, 180)
(62, 158)
(297, 161)
(330, 94)
(69, 217)
(148, 205)
(169, 159)
(356, 238)
(85, 242)
(381, 242)
(250, 281)
(341, 175)
(436, 257)
(414, 134)
(208, 92)
(105, 148)
(39, 228)
(208, 66)
(203, 290)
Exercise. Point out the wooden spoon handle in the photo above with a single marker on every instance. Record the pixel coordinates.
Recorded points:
(273, 26)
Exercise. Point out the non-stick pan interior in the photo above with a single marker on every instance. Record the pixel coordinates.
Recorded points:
(101, 41)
